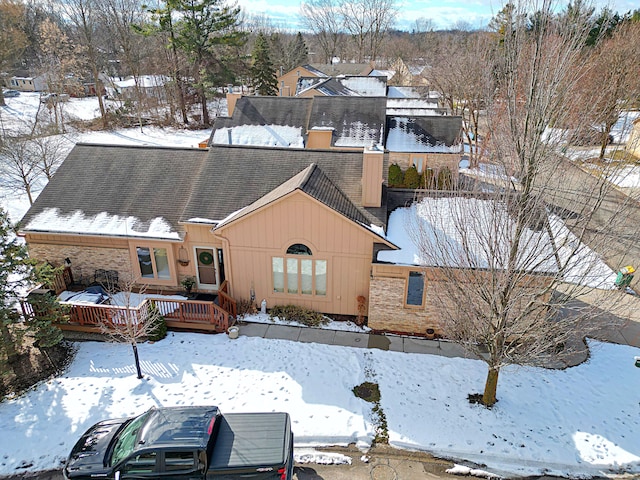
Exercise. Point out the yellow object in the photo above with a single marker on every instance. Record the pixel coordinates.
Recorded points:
(628, 269)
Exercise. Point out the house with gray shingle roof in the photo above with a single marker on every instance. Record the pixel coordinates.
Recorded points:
(289, 226)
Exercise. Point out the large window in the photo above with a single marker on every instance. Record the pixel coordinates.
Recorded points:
(153, 262)
(415, 289)
(297, 274)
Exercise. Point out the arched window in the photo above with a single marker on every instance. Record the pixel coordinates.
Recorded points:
(299, 276)
(299, 249)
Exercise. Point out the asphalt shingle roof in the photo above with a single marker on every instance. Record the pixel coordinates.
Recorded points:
(143, 182)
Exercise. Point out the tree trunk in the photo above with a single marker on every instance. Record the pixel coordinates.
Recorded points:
(137, 359)
(490, 387)
(205, 110)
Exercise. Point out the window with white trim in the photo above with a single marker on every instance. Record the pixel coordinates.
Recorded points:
(297, 274)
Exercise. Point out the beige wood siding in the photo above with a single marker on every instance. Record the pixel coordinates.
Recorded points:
(287, 83)
(252, 242)
(372, 177)
(319, 139)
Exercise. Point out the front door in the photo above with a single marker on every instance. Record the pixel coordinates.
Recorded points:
(207, 268)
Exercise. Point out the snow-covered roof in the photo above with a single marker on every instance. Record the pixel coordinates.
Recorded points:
(410, 102)
(486, 223)
(369, 86)
(383, 73)
(424, 134)
(52, 220)
(260, 135)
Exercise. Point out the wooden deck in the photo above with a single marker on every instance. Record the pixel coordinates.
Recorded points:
(178, 314)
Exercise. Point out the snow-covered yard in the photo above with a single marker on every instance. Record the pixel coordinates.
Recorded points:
(579, 421)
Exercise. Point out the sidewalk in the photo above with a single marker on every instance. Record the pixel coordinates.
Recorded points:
(627, 334)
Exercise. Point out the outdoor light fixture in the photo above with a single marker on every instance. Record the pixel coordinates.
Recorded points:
(67, 262)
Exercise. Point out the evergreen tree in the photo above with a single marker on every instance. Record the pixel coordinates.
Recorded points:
(17, 271)
(263, 74)
(278, 53)
(203, 29)
(298, 52)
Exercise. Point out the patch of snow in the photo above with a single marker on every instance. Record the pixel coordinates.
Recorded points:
(260, 135)
(51, 220)
(309, 455)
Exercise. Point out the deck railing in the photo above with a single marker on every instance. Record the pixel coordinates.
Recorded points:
(194, 314)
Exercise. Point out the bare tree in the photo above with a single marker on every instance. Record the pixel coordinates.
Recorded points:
(19, 166)
(322, 19)
(614, 74)
(83, 16)
(13, 39)
(505, 269)
(462, 73)
(132, 323)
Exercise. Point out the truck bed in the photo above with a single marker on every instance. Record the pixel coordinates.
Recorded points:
(251, 440)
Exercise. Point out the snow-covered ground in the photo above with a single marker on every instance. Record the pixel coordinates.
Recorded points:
(579, 421)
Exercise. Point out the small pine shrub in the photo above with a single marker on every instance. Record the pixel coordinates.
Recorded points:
(295, 313)
(396, 177)
(412, 177)
(159, 330)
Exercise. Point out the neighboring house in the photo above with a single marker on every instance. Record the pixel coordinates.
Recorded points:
(431, 142)
(28, 84)
(288, 226)
(150, 87)
(312, 123)
(633, 142)
(407, 75)
(365, 86)
(288, 82)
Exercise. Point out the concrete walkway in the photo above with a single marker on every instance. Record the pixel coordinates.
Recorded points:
(394, 343)
(628, 333)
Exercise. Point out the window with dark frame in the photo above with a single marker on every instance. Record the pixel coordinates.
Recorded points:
(415, 289)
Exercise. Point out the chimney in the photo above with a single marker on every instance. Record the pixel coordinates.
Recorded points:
(372, 177)
(232, 98)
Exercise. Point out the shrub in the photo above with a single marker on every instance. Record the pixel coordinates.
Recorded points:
(245, 307)
(396, 177)
(295, 313)
(159, 329)
(412, 177)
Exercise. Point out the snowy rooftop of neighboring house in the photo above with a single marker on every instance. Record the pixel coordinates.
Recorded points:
(383, 73)
(412, 102)
(454, 219)
(260, 135)
(416, 112)
(369, 86)
(144, 81)
(435, 134)
(438, 222)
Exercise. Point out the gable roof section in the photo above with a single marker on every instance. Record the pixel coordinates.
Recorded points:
(314, 183)
(326, 86)
(118, 190)
(437, 134)
(236, 177)
(356, 121)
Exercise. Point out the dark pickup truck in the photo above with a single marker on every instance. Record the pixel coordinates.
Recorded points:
(194, 443)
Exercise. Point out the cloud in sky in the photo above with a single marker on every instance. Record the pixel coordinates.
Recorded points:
(443, 13)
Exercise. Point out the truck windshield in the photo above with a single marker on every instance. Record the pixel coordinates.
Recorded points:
(126, 441)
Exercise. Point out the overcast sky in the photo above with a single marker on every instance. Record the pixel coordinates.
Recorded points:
(443, 13)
